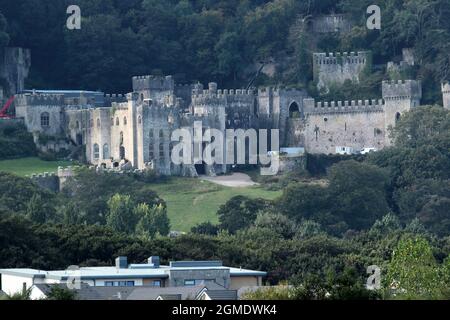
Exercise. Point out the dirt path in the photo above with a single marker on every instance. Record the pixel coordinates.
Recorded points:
(235, 180)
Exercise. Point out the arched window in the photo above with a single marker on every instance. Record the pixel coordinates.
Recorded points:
(150, 134)
(121, 138)
(139, 120)
(151, 153)
(96, 151)
(117, 121)
(98, 123)
(77, 124)
(45, 119)
(294, 110)
(161, 150)
(397, 117)
(124, 121)
(161, 133)
(105, 151)
(91, 123)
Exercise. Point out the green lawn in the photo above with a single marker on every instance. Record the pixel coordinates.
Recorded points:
(191, 201)
(28, 166)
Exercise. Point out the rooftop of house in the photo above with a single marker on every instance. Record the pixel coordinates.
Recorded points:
(86, 292)
(122, 269)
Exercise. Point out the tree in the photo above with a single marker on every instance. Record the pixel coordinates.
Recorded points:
(121, 216)
(152, 221)
(413, 272)
(39, 210)
(61, 294)
(276, 222)
(239, 212)
(4, 37)
(206, 228)
(359, 194)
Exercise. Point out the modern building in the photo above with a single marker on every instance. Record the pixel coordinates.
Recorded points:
(178, 274)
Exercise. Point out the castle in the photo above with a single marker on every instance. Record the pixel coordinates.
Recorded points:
(134, 131)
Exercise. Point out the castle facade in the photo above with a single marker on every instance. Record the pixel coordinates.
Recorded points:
(134, 131)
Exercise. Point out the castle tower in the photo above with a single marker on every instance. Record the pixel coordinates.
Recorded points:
(446, 95)
(400, 97)
(157, 88)
(336, 68)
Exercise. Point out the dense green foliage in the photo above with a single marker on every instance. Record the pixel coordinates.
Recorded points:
(16, 142)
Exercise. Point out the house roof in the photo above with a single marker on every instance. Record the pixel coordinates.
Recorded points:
(87, 292)
(169, 297)
(152, 293)
(221, 294)
(143, 272)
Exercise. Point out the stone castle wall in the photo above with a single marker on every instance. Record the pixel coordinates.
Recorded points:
(355, 124)
(336, 68)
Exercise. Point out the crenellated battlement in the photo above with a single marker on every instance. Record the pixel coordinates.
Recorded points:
(401, 89)
(373, 105)
(359, 57)
(218, 97)
(151, 82)
(28, 99)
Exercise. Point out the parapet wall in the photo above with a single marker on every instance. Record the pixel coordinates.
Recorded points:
(402, 89)
(151, 82)
(359, 57)
(353, 106)
(28, 99)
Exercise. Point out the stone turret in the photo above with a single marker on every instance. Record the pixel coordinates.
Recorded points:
(399, 96)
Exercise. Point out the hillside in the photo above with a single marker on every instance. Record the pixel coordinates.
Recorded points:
(219, 40)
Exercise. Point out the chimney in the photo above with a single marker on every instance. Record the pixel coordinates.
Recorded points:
(154, 260)
(121, 263)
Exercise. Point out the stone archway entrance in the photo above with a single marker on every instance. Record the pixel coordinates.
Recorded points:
(201, 168)
(294, 110)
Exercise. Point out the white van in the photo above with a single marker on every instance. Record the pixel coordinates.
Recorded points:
(367, 150)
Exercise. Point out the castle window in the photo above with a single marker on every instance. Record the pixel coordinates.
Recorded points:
(139, 120)
(98, 123)
(151, 153)
(105, 151)
(397, 117)
(124, 121)
(91, 123)
(150, 134)
(161, 134)
(377, 131)
(121, 138)
(117, 121)
(96, 151)
(45, 119)
(77, 125)
(161, 150)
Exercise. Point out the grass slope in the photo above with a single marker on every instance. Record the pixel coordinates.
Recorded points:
(27, 166)
(191, 201)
